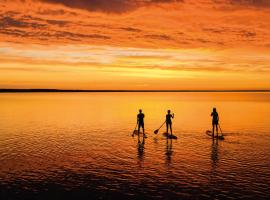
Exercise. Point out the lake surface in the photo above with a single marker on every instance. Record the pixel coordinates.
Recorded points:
(79, 145)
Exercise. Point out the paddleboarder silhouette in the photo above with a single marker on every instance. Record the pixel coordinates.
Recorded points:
(215, 120)
(169, 118)
(140, 121)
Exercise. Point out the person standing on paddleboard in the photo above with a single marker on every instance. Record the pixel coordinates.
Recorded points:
(140, 121)
(215, 120)
(169, 118)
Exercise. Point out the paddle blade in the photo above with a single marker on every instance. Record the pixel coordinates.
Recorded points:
(135, 132)
(221, 137)
(156, 131)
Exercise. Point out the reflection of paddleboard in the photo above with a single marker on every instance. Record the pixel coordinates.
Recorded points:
(136, 133)
(168, 135)
(209, 133)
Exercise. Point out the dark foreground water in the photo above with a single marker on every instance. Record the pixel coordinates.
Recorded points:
(79, 146)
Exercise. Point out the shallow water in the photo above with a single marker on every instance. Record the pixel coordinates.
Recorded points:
(67, 145)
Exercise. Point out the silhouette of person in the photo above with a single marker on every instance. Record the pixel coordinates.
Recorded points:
(140, 121)
(169, 118)
(215, 120)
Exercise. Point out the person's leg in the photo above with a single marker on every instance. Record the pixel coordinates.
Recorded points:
(171, 128)
(167, 127)
(217, 129)
(143, 129)
(213, 130)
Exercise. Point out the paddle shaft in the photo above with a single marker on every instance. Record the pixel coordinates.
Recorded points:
(135, 127)
(220, 129)
(161, 125)
(134, 130)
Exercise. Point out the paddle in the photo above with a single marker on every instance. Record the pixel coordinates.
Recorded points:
(220, 130)
(134, 130)
(156, 131)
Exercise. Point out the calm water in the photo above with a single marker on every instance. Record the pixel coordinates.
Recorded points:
(65, 145)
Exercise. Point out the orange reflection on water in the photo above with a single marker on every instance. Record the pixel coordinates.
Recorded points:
(60, 136)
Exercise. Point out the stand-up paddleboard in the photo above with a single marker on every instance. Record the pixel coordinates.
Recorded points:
(209, 133)
(168, 135)
(136, 132)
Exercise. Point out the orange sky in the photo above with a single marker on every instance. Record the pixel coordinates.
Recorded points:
(135, 44)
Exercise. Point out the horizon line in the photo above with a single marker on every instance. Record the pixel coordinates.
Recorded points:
(38, 90)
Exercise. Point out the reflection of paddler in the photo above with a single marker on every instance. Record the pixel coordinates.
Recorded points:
(169, 118)
(169, 151)
(141, 148)
(140, 122)
(214, 152)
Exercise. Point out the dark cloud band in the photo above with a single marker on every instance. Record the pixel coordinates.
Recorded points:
(108, 5)
(119, 6)
(251, 2)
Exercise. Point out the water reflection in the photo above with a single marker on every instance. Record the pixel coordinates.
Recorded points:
(78, 145)
(214, 176)
(214, 153)
(168, 151)
(140, 147)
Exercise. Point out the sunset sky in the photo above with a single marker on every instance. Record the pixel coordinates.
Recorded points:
(135, 44)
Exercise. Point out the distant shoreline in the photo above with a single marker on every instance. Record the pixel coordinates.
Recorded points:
(112, 91)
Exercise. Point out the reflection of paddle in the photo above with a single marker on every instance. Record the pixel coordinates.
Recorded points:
(134, 130)
(156, 131)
